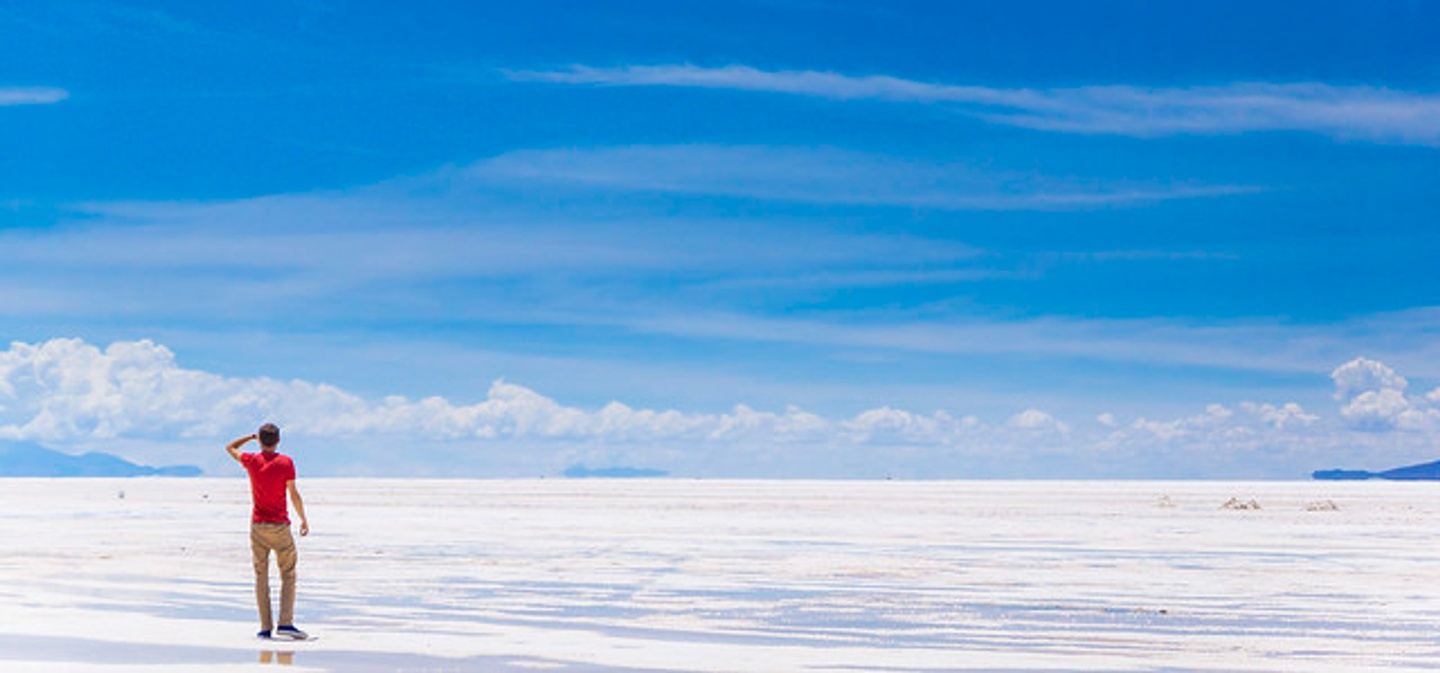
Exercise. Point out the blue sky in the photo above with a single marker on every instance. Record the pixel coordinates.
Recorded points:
(1069, 224)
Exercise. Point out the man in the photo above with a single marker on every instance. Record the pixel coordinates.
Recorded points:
(271, 476)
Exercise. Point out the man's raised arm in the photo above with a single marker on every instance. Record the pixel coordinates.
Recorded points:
(233, 448)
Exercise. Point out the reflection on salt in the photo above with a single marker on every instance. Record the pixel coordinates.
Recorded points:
(673, 575)
(277, 657)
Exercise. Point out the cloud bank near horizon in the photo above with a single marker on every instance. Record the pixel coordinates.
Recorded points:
(1365, 113)
(67, 392)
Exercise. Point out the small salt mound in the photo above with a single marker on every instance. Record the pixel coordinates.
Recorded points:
(1236, 503)
(1322, 506)
(1165, 502)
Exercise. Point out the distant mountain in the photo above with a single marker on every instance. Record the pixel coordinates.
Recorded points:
(1422, 472)
(24, 459)
(582, 472)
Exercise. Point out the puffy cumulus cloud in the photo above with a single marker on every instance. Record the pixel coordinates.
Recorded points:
(1035, 420)
(1216, 420)
(1377, 409)
(743, 422)
(1374, 399)
(1248, 424)
(1280, 417)
(66, 390)
(1362, 375)
(897, 426)
(69, 392)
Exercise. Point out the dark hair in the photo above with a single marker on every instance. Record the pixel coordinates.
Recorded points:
(269, 435)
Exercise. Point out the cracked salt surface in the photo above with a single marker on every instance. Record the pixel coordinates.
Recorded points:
(679, 575)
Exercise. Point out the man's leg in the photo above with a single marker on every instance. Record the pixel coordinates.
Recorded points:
(285, 557)
(260, 555)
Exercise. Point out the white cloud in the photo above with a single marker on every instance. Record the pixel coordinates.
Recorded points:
(67, 392)
(1242, 344)
(1376, 408)
(1374, 398)
(887, 425)
(31, 95)
(1346, 112)
(1221, 426)
(821, 175)
(1036, 420)
(1363, 374)
(345, 257)
(1280, 417)
(138, 261)
(396, 241)
(1216, 417)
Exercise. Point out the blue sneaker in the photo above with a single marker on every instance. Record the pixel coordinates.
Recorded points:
(263, 634)
(289, 631)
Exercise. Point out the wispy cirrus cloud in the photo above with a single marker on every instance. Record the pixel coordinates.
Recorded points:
(825, 175)
(465, 254)
(31, 95)
(426, 236)
(91, 18)
(1368, 113)
(1247, 345)
(453, 224)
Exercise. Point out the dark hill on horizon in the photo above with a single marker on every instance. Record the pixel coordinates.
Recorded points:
(618, 472)
(1421, 472)
(27, 459)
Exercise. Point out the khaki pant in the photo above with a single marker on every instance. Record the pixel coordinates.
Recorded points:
(265, 537)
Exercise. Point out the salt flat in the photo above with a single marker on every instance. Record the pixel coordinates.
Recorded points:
(700, 575)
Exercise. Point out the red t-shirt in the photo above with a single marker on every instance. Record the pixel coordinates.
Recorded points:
(269, 472)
